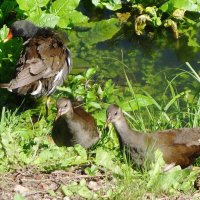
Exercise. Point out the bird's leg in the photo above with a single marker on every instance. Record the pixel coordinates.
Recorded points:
(47, 106)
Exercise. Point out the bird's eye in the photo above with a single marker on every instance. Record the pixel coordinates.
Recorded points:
(115, 113)
(65, 105)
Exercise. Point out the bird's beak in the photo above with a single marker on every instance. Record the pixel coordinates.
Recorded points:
(59, 113)
(108, 121)
(9, 36)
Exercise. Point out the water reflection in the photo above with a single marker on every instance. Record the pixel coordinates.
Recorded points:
(148, 62)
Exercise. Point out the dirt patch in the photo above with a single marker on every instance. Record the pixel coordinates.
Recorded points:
(34, 185)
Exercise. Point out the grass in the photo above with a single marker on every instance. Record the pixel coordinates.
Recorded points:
(24, 141)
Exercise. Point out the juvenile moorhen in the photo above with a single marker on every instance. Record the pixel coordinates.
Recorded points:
(73, 125)
(179, 146)
(44, 61)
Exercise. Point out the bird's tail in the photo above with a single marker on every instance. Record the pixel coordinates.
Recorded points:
(4, 85)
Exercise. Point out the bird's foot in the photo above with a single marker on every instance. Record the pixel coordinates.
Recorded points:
(168, 167)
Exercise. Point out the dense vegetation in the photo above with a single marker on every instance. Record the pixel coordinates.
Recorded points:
(24, 141)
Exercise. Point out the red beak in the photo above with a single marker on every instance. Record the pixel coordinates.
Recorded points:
(9, 36)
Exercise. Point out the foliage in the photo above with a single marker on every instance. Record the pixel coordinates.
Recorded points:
(25, 141)
(109, 4)
(61, 12)
(174, 179)
(170, 14)
(79, 189)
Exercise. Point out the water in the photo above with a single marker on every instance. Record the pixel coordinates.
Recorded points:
(149, 63)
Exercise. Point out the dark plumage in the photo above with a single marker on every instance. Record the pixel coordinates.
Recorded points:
(179, 146)
(73, 125)
(44, 61)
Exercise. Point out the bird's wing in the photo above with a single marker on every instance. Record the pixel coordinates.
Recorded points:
(185, 136)
(42, 57)
(27, 75)
(85, 116)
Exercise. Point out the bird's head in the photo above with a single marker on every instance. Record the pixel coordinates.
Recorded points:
(114, 113)
(21, 28)
(64, 107)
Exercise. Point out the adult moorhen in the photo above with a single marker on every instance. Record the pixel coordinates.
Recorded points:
(44, 61)
(179, 146)
(73, 125)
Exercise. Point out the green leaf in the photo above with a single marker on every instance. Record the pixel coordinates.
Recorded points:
(78, 189)
(19, 197)
(94, 105)
(100, 31)
(81, 151)
(113, 4)
(26, 4)
(90, 72)
(31, 4)
(66, 191)
(136, 103)
(110, 4)
(4, 32)
(189, 5)
(104, 159)
(91, 171)
(84, 192)
(47, 20)
(73, 17)
(67, 13)
(59, 7)
(96, 2)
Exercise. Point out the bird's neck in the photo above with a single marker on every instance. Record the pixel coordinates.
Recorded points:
(128, 136)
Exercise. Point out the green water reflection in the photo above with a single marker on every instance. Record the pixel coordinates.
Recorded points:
(149, 63)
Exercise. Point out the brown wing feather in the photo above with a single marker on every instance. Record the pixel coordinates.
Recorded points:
(83, 114)
(87, 120)
(180, 154)
(180, 146)
(42, 58)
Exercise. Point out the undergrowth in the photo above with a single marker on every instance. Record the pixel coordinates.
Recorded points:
(25, 136)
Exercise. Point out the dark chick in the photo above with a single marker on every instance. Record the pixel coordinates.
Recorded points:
(73, 125)
(179, 146)
(44, 61)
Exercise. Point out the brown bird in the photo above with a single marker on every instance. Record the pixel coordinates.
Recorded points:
(73, 125)
(179, 146)
(44, 61)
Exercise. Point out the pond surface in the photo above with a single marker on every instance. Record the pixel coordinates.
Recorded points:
(149, 63)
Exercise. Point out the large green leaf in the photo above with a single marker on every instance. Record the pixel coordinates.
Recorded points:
(72, 18)
(46, 19)
(189, 5)
(67, 13)
(61, 6)
(31, 4)
(98, 32)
